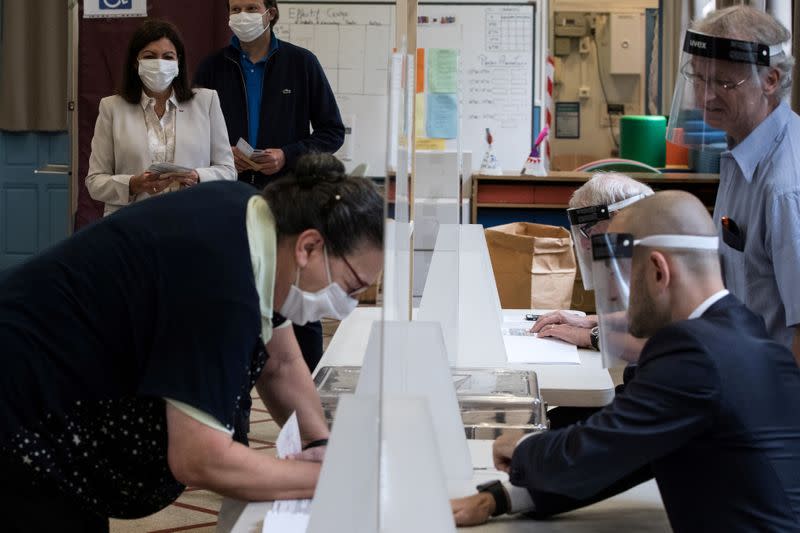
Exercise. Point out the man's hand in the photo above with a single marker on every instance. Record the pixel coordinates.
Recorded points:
(503, 449)
(473, 510)
(270, 161)
(564, 317)
(241, 161)
(578, 336)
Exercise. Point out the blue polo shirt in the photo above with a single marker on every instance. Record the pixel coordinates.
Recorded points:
(254, 83)
(759, 189)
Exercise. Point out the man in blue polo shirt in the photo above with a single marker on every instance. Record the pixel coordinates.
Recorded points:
(271, 93)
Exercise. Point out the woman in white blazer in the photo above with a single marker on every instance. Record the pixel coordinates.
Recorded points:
(156, 119)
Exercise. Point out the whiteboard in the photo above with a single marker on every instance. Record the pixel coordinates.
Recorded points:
(353, 43)
(496, 74)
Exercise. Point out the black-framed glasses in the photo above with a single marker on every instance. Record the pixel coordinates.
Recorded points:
(698, 79)
(364, 285)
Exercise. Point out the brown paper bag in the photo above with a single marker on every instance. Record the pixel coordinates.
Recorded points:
(534, 265)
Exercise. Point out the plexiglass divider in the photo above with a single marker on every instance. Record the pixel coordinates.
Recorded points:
(415, 364)
(474, 335)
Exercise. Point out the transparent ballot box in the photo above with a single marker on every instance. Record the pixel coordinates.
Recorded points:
(491, 400)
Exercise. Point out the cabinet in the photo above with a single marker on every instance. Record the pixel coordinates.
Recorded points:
(544, 199)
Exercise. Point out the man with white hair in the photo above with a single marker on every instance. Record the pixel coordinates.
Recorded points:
(735, 75)
(591, 209)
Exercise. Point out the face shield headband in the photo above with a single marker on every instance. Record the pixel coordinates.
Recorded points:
(582, 220)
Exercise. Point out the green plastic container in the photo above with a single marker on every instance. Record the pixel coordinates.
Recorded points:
(642, 138)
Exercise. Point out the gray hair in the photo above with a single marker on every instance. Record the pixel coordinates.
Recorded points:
(607, 188)
(750, 24)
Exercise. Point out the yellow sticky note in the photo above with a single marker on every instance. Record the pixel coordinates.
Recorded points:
(419, 114)
(423, 143)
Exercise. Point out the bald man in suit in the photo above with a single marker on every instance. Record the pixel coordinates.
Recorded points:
(711, 412)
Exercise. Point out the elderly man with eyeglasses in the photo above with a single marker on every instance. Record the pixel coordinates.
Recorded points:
(590, 211)
(735, 74)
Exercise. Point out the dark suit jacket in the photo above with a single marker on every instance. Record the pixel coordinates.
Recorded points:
(713, 412)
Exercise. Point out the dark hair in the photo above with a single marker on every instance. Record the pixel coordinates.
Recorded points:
(153, 30)
(268, 4)
(346, 210)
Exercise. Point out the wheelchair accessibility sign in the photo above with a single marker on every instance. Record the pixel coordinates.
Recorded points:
(114, 8)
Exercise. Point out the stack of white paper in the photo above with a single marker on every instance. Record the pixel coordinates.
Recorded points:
(246, 149)
(524, 347)
(164, 168)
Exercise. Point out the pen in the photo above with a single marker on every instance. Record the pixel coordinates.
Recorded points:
(729, 224)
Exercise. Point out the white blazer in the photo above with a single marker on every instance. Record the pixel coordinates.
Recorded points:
(120, 149)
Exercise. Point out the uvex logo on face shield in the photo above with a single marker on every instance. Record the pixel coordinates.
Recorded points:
(697, 44)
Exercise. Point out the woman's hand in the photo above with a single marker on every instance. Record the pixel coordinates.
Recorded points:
(185, 179)
(149, 182)
(316, 454)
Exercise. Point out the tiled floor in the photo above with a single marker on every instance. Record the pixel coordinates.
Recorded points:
(196, 510)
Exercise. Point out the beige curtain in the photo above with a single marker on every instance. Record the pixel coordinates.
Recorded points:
(33, 65)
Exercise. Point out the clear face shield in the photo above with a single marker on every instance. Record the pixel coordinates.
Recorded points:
(612, 255)
(587, 221)
(713, 90)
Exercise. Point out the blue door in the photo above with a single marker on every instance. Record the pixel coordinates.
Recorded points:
(33, 207)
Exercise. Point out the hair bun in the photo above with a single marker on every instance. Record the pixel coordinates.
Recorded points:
(313, 168)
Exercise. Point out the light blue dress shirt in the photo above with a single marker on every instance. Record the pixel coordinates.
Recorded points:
(760, 190)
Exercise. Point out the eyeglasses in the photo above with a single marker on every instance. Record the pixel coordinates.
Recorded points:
(698, 79)
(586, 229)
(364, 284)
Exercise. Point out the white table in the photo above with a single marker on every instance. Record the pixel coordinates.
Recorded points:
(639, 509)
(585, 385)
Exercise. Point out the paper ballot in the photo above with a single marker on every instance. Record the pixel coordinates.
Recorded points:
(288, 516)
(164, 168)
(522, 346)
(246, 149)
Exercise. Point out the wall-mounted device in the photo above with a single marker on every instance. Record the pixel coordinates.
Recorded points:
(570, 24)
(626, 42)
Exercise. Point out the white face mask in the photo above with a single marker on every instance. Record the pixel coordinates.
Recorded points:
(302, 307)
(157, 74)
(248, 26)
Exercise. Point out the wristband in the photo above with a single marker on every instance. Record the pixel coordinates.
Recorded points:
(316, 443)
(498, 492)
